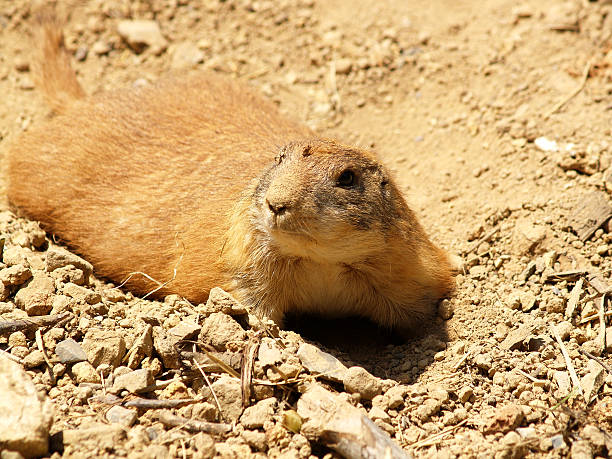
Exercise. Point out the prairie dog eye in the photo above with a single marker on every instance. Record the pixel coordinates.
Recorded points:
(346, 179)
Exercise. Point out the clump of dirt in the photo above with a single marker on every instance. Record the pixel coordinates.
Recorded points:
(496, 120)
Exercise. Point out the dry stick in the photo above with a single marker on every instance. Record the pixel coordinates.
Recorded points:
(246, 368)
(193, 425)
(529, 377)
(41, 348)
(209, 386)
(224, 366)
(585, 77)
(593, 317)
(11, 326)
(485, 238)
(597, 359)
(602, 323)
(439, 436)
(568, 361)
(149, 404)
(160, 285)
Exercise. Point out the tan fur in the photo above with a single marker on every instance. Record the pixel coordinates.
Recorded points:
(182, 174)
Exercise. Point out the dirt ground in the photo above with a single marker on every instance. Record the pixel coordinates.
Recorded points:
(496, 120)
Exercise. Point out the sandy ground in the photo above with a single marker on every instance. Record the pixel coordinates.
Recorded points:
(495, 118)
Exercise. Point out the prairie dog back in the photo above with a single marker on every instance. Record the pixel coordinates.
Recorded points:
(203, 175)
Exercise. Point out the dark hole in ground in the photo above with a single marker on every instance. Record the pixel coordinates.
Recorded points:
(358, 341)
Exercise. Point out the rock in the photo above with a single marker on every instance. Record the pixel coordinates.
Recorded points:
(515, 338)
(255, 439)
(58, 257)
(581, 449)
(446, 309)
(37, 298)
(564, 329)
(219, 329)
(269, 353)
(17, 339)
(104, 346)
(528, 237)
(81, 294)
(221, 301)
(101, 47)
(255, 416)
(464, 394)
(69, 351)
(598, 439)
(186, 55)
(358, 380)
(230, 397)
(546, 145)
(396, 395)
(504, 419)
(84, 372)
(26, 420)
(15, 275)
(593, 380)
(344, 428)
(135, 381)
(141, 34)
(166, 348)
(343, 66)
(528, 301)
(321, 363)
(204, 444)
(99, 436)
(184, 331)
(427, 409)
(563, 382)
(120, 415)
(33, 359)
(142, 347)
(378, 413)
(558, 442)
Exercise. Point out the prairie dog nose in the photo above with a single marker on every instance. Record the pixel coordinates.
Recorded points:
(276, 208)
(279, 199)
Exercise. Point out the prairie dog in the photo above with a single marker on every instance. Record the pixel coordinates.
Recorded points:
(204, 176)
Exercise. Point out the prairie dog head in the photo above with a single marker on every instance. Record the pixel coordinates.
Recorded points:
(327, 202)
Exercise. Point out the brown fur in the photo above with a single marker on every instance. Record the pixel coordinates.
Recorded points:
(182, 174)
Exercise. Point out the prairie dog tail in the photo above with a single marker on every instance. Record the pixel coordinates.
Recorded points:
(52, 71)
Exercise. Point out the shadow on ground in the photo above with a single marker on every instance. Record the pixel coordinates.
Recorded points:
(385, 353)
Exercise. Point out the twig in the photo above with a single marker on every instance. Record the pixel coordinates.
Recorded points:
(574, 93)
(597, 359)
(149, 404)
(11, 326)
(461, 360)
(160, 285)
(439, 436)
(192, 425)
(529, 377)
(209, 386)
(602, 323)
(41, 347)
(246, 368)
(568, 361)
(486, 238)
(593, 317)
